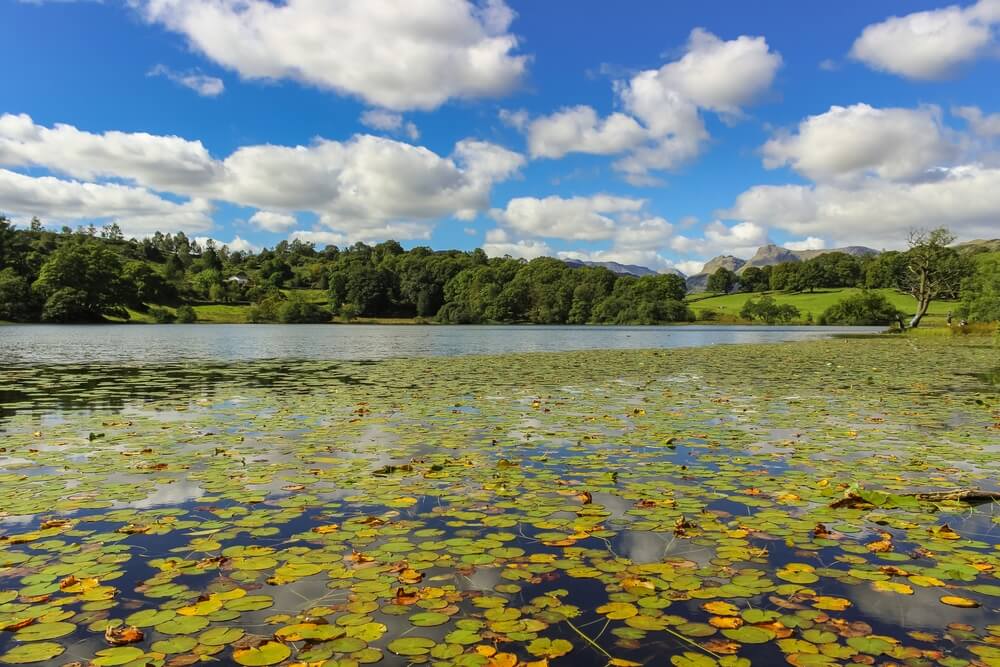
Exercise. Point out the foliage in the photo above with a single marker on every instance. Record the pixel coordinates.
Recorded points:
(933, 270)
(755, 279)
(981, 290)
(297, 310)
(82, 281)
(766, 309)
(161, 315)
(17, 303)
(864, 308)
(722, 281)
(186, 315)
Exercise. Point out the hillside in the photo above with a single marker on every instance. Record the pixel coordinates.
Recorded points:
(728, 305)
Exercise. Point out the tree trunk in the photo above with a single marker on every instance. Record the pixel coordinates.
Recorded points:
(922, 306)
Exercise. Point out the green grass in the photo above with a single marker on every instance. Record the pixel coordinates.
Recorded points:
(729, 305)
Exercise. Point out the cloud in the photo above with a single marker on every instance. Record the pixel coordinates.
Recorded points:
(518, 119)
(137, 211)
(576, 218)
(410, 55)
(389, 121)
(721, 75)
(983, 125)
(578, 129)
(860, 140)
(400, 231)
(236, 245)
(499, 244)
(929, 44)
(204, 85)
(661, 127)
(158, 162)
(811, 243)
(361, 187)
(878, 213)
(741, 239)
(273, 222)
(690, 267)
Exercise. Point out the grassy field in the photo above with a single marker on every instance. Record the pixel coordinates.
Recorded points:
(729, 305)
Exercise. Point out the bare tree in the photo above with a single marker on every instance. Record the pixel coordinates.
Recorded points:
(933, 270)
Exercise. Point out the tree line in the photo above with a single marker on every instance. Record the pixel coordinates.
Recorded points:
(90, 274)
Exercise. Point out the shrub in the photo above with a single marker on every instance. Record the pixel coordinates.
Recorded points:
(161, 315)
(708, 315)
(767, 310)
(297, 311)
(862, 309)
(186, 315)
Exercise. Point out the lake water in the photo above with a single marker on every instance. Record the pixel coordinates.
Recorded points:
(54, 344)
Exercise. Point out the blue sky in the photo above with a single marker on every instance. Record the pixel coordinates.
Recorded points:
(653, 133)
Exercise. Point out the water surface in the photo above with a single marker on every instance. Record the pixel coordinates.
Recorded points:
(56, 344)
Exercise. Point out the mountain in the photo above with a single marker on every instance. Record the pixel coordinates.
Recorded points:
(615, 267)
(978, 246)
(766, 255)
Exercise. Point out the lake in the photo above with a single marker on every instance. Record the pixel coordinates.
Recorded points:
(56, 344)
(703, 506)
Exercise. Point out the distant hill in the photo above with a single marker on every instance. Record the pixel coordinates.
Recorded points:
(621, 269)
(979, 245)
(766, 255)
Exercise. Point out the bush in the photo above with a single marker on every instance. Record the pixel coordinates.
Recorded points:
(767, 310)
(299, 311)
(161, 315)
(862, 309)
(708, 315)
(186, 315)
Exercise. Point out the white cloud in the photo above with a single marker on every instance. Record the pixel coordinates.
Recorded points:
(236, 245)
(273, 222)
(811, 243)
(136, 210)
(204, 85)
(158, 162)
(721, 75)
(929, 44)
(983, 125)
(320, 238)
(741, 239)
(663, 127)
(578, 129)
(499, 244)
(409, 55)
(389, 121)
(576, 218)
(852, 142)
(518, 119)
(879, 213)
(690, 267)
(358, 186)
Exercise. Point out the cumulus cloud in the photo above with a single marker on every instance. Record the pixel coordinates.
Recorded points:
(983, 125)
(860, 140)
(878, 213)
(158, 162)
(137, 211)
(499, 244)
(236, 245)
(929, 44)
(578, 129)
(575, 218)
(662, 126)
(410, 55)
(389, 121)
(741, 239)
(811, 243)
(272, 221)
(204, 85)
(363, 186)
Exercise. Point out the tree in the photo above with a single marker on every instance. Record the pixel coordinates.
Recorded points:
(768, 310)
(722, 281)
(933, 270)
(980, 291)
(186, 315)
(16, 304)
(862, 309)
(85, 279)
(754, 279)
